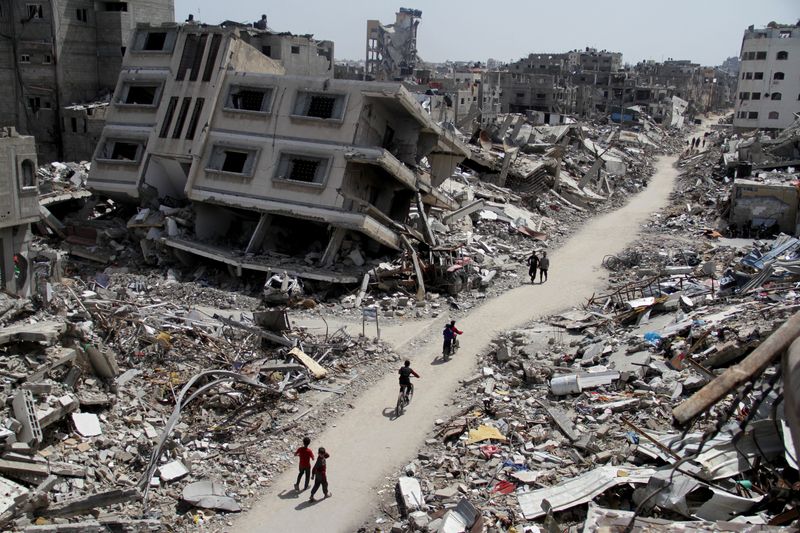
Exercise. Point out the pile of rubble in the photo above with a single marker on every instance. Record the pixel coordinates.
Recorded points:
(660, 403)
(129, 410)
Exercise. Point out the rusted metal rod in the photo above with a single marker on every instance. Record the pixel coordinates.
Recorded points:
(651, 439)
(750, 367)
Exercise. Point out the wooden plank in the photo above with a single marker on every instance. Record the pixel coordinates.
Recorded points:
(316, 370)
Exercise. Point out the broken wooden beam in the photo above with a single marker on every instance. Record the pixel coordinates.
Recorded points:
(750, 367)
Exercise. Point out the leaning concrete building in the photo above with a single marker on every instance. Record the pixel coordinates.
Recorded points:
(274, 166)
(19, 207)
(59, 53)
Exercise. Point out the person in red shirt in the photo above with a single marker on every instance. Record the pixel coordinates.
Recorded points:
(306, 455)
(320, 474)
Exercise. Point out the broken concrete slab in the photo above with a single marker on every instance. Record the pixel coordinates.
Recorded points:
(87, 424)
(172, 471)
(208, 494)
(410, 494)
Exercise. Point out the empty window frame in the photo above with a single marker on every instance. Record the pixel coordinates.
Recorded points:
(755, 96)
(82, 15)
(752, 115)
(173, 103)
(154, 41)
(778, 76)
(35, 11)
(748, 75)
(783, 54)
(211, 62)
(73, 121)
(190, 51)
(115, 6)
(758, 75)
(776, 96)
(179, 122)
(24, 58)
(744, 96)
(761, 55)
(233, 160)
(256, 99)
(121, 151)
(303, 169)
(140, 94)
(198, 58)
(295, 49)
(28, 171)
(266, 50)
(198, 109)
(320, 105)
(773, 115)
(35, 103)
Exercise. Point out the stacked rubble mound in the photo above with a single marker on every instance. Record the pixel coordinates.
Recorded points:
(127, 410)
(660, 405)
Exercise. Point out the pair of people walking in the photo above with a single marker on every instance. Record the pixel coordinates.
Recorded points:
(542, 264)
(319, 473)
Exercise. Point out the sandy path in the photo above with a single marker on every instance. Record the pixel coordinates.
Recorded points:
(367, 444)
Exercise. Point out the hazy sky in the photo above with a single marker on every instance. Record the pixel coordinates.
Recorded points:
(705, 31)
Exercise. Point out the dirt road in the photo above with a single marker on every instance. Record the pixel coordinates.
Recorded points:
(367, 444)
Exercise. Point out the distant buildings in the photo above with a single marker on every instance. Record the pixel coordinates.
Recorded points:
(768, 93)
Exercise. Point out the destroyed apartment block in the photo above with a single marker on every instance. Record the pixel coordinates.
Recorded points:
(282, 173)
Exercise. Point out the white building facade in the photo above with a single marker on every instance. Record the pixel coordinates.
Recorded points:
(768, 93)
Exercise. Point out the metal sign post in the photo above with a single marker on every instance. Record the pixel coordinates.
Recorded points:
(370, 313)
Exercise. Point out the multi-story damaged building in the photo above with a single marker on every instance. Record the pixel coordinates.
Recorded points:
(59, 53)
(274, 166)
(768, 94)
(19, 207)
(392, 48)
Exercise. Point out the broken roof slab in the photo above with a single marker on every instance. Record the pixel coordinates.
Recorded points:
(224, 255)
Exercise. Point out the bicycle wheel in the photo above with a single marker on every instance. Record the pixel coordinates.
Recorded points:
(409, 395)
(398, 409)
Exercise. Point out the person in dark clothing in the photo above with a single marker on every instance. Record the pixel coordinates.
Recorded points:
(405, 376)
(306, 455)
(448, 335)
(544, 266)
(533, 265)
(320, 474)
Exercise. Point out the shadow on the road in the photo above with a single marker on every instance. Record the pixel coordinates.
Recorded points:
(390, 413)
(440, 360)
(308, 503)
(290, 494)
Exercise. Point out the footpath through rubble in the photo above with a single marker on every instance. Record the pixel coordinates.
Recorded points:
(658, 405)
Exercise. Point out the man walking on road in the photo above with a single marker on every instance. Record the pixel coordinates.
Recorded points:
(320, 474)
(533, 265)
(544, 266)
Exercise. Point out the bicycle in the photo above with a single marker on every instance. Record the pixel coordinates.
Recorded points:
(453, 349)
(403, 399)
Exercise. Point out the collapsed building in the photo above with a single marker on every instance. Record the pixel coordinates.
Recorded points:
(392, 48)
(252, 166)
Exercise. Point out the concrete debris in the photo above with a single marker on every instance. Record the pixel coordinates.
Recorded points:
(90, 376)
